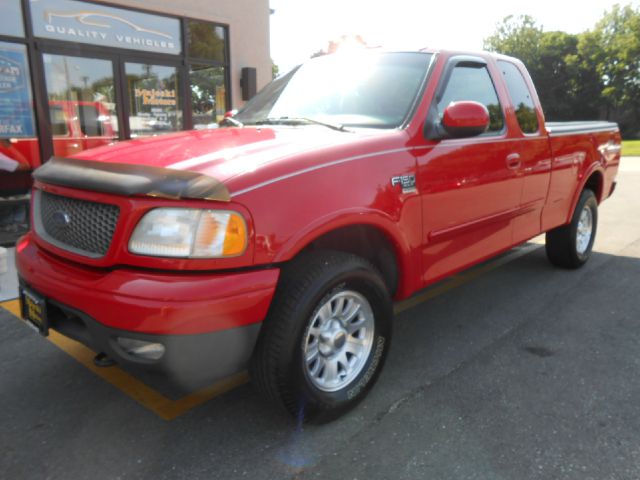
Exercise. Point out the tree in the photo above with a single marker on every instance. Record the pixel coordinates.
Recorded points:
(612, 50)
(519, 37)
(568, 89)
(585, 76)
(550, 58)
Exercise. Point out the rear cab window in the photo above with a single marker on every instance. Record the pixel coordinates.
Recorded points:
(472, 82)
(521, 97)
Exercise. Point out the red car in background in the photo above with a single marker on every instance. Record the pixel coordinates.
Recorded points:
(76, 126)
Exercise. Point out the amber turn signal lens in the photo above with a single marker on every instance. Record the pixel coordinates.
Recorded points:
(220, 234)
(235, 240)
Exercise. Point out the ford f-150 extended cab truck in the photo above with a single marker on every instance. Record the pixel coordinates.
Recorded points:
(280, 242)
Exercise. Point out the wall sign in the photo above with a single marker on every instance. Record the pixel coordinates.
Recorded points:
(16, 111)
(81, 22)
(156, 97)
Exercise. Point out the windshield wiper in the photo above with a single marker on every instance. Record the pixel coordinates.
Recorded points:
(299, 121)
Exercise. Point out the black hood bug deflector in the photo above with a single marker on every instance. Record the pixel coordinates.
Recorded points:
(129, 180)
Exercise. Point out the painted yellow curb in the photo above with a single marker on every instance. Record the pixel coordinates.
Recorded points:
(146, 396)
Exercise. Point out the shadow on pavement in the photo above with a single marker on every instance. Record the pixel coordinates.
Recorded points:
(525, 372)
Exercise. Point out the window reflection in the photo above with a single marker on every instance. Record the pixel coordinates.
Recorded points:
(472, 83)
(154, 99)
(82, 105)
(520, 97)
(208, 95)
(205, 40)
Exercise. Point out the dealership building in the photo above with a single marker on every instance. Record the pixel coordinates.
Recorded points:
(77, 75)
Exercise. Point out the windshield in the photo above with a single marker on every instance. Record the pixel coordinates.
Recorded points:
(368, 90)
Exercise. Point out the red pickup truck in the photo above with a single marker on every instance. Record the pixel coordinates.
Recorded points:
(280, 242)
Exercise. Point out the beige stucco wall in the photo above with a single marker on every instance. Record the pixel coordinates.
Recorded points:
(248, 22)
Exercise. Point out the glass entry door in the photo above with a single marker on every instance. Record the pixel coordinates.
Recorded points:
(153, 93)
(82, 102)
(98, 101)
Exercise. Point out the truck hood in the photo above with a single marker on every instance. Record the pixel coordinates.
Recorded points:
(226, 153)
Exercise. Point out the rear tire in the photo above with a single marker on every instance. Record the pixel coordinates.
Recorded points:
(326, 336)
(570, 246)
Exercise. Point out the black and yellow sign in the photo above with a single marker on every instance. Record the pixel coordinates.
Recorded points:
(34, 310)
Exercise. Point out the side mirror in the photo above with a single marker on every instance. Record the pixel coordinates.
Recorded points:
(230, 113)
(465, 119)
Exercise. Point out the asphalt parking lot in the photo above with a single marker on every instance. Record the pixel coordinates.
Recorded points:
(513, 370)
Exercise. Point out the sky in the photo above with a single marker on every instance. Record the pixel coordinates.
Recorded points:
(301, 27)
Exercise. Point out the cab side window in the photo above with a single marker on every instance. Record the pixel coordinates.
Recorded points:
(471, 82)
(520, 97)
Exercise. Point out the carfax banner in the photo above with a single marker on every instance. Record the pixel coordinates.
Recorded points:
(16, 109)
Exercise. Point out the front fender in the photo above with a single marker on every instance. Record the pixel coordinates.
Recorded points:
(344, 218)
(406, 254)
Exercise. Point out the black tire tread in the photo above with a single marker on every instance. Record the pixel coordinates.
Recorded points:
(296, 278)
(559, 242)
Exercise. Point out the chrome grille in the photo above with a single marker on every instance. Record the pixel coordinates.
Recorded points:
(80, 226)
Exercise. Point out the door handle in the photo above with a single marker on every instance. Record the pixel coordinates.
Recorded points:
(513, 161)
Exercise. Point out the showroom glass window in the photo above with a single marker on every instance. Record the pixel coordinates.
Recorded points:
(11, 23)
(154, 99)
(82, 105)
(208, 70)
(19, 147)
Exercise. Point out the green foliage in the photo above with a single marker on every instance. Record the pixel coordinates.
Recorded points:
(527, 118)
(205, 81)
(517, 36)
(631, 148)
(204, 41)
(595, 74)
(496, 120)
(612, 49)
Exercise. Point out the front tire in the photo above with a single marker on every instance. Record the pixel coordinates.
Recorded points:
(570, 246)
(326, 337)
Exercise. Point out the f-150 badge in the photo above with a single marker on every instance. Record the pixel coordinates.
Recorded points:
(408, 183)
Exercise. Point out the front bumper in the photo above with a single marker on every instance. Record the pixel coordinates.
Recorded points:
(208, 323)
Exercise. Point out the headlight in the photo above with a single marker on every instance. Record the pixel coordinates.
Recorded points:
(190, 233)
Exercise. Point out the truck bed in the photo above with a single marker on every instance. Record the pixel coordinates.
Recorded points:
(571, 128)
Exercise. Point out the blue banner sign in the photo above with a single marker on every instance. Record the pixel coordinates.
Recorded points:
(16, 109)
(81, 22)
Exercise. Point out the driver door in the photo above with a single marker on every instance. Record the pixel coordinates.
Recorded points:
(470, 188)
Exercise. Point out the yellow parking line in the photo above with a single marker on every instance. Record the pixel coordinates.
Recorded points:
(13, 306)
(168, 409)
(149, 398)
(115, 376)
